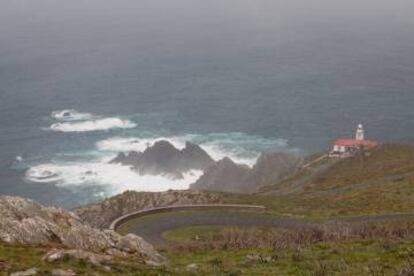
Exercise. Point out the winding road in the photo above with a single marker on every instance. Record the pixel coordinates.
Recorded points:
(151, 224)
(151, 227)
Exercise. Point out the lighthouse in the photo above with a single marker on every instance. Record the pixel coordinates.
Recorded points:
(348, 147)
(360, 135)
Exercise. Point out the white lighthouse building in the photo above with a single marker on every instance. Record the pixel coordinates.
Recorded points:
(360, 133)
(348, 147)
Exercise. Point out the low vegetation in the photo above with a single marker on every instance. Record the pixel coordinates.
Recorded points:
(333, 249)
(14, 258)
(345, 258)
(206, 238)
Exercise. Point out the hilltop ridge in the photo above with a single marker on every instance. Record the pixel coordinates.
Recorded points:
(380, 180)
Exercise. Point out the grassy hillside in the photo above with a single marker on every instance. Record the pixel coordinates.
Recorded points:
(389, 162)
(381, 181)
(261, 251)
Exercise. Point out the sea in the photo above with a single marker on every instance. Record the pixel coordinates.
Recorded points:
(82, 80)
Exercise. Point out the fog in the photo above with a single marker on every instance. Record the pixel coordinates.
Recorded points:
(297, 54)
(69, 23)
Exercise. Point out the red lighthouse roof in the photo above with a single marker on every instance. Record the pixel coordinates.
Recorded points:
(353, 142)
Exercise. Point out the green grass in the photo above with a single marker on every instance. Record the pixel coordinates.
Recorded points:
(19, 258)
(382, 182)
(204, 232)
(383, 256)
(347, 258)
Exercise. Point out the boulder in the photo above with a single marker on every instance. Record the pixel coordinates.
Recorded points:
(29, 272)
(133, 244)
(27, 222)
(62, 272)
(77, 254)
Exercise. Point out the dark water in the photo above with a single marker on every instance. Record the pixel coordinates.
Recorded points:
(241, 75)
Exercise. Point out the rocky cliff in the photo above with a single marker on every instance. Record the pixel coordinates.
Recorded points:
(227, 176)
(164, 159)
(24, 221)
(101, 214)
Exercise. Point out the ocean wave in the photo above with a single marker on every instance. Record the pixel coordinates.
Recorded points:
(70, 115)
(241, 147)
(116, 178)
(126, 144)
(92, 125)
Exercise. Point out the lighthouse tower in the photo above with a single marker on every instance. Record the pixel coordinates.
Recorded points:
(360, 135)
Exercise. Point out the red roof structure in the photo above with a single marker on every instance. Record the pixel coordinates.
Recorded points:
(353, 142)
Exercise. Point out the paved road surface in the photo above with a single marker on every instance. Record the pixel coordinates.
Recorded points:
(151, 228)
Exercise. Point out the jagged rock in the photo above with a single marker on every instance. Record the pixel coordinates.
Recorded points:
(77, 254)
(62, 272)
(227, 176)
(133, 244)
(164, 159)
(29, 272)
(24, 221)
(101, 214)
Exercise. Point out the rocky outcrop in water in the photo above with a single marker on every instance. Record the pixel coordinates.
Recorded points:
(227, 176)
(164, 159)
(24, 221)
(101, 214)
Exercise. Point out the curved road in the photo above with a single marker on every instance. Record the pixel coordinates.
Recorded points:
(151, 228)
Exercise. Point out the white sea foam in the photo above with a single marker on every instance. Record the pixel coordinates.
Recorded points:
(240, 147)
(116, 178)
(82, 169)
(126, 144)
(92, 125)
(71, 115)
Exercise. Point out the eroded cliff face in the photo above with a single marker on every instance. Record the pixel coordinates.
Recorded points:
(24, 221)
(101, 214)
(227, 176)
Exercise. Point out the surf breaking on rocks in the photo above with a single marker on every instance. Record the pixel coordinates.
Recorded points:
(71, 120)
(75, 168)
